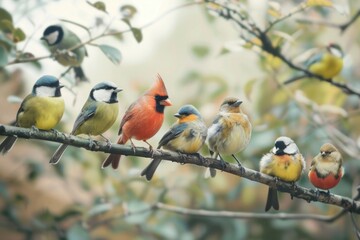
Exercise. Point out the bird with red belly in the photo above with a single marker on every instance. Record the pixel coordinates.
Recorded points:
(326, 168)
(143, 119)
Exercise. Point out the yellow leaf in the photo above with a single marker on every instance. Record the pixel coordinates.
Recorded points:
(319, 3)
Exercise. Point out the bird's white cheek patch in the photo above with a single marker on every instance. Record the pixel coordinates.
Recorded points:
(102, 95)
(44, 91)
(52, 37)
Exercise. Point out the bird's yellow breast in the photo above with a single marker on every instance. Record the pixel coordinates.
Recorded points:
(328, 67)
(287, 168)
(41, 112)
(104, 117)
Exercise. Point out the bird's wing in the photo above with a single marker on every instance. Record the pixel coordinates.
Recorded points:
(313, 59)
(86, 113)
(173, 132)
(23, 105)
(128, 115)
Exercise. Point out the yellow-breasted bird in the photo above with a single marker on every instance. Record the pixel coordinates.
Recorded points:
(284, 162)
(187, 135)
(59, 39)
(97, 115)
(42, 109)
(327, 64)
(230, 132)
(326, 168)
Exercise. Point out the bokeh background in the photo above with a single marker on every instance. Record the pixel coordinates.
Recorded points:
(202, 60)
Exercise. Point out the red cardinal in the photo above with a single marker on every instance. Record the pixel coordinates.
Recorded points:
(143, 118)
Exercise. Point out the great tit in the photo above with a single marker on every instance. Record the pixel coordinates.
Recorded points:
(59, 39)
(97, 115)
(42, 109)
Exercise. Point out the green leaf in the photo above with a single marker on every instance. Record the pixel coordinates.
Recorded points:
(77, 232)
(112, 53)
(137, 34)
(99, 5)
(6, 42)
(5, 15)
(128, 11)
(18, 35)
(6, 26)
(200, 51)
(3, 57)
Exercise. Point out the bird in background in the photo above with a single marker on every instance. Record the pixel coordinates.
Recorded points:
(186, 135)
(59, 39)
(230, 132)
(326, 168)
(284, 162)
(142, 119)
(327, 64)
(42, 109)
(97, 115)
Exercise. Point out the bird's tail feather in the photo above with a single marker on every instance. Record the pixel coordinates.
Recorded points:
(272, 200)
(7, 144)
(149, 171)
(114, 159)
(58, 154)
(80, 75)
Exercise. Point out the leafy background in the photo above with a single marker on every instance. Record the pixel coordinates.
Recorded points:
(202, 60)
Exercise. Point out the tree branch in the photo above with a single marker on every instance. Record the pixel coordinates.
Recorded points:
(99, 146)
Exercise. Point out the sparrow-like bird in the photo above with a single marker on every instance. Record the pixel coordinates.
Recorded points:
(187, 135)
(326, 168)
(42, 109)
(59, 39)
(284, 162)
(230, 132)
(142, 119)
(97, 115)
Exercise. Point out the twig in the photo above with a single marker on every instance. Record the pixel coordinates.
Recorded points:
(299, 192)
(343, 27)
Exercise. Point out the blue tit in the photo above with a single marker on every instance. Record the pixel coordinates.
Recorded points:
(97, 115)
(58, 39)
(327, 64)
(42, 109)
(230, 132)
(187, 135)
(284, 162)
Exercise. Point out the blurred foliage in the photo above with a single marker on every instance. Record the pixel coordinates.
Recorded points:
(78, 200)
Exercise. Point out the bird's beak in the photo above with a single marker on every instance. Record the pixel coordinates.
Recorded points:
(323, 154)
(166, 102)
(237, 103)
(118, 90)
(61, 86)
(177, 115)
(43, 38)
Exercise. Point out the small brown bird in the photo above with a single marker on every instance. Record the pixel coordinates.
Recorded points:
(326, 168)
(230, 132)
(284, 162)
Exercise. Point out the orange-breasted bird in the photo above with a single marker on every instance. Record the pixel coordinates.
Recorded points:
(230, 132)
(284, 162)
(97, 115)
(142, 119)
(42, 109)
(187, 135)
(326, 168)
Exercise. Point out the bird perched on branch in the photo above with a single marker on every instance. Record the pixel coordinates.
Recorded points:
(142, 119)
(230, 132)
(326, 168)
(284, 162)
(42, 109)
(59, 40)
(97, 115)
(327, 64)
(187, 135)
